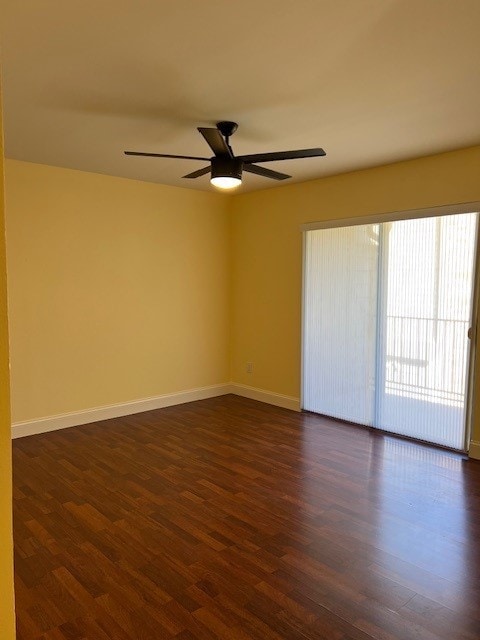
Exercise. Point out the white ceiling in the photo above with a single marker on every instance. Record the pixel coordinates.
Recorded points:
(370, 81)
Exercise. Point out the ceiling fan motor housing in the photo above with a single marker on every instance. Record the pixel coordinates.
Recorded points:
(227, 167)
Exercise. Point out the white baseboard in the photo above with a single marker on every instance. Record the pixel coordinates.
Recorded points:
(62, 421)
(269, 397)
(474, 450)
(87, 416)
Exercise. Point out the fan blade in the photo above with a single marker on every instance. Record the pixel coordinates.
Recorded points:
(216, 142)
(198, 173)
(266, 173)
(283, 155)
(162, 155)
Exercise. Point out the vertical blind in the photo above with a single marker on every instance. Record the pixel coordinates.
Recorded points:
(340, 294)
(387, 309)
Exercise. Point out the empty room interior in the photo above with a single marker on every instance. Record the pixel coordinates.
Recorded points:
(239, 289)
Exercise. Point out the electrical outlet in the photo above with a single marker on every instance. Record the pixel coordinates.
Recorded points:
(249, 367)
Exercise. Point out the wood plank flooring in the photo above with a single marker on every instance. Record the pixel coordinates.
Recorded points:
(227, 518)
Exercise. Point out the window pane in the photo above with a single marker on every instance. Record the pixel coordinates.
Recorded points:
(424, 316)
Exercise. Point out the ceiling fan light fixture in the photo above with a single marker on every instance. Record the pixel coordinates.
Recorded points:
(226, 173)
(225, 182)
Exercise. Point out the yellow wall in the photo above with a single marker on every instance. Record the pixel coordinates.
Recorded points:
(118, 289)
(267, 252)
(7, 629)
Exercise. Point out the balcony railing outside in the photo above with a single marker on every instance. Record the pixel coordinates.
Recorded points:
(426, 359)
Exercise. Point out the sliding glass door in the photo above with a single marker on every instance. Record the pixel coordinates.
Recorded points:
(387, 308)
(424, 317)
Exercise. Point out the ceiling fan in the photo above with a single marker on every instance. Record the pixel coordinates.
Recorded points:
(226, 168)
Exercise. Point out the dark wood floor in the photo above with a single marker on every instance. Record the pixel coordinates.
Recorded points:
(228, 518)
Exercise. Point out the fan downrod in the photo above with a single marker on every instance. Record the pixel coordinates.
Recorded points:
(227, 128)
